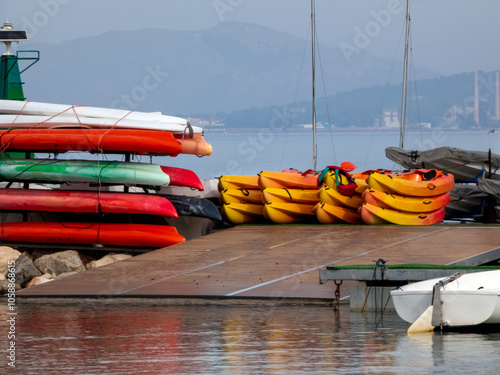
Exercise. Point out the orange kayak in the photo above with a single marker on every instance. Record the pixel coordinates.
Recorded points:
(332, 214)
(406, 203)
(418, 183)
(332, 196)
(135, 235)
(194, 146)
(378, 215)
(143, 142)
(289, 179)
(288, 213)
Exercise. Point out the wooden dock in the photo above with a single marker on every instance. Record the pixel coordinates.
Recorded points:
(273, 261)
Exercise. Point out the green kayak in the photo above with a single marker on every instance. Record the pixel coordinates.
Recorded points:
(91, 171)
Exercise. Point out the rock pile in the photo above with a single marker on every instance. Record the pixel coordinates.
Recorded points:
(41, 266)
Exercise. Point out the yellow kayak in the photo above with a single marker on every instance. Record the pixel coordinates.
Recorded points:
(288, 213)
(405, 203)
(333, 197)
(290, 195)
(377, 215)
(241, 196)
(330, 214)
(243, 213)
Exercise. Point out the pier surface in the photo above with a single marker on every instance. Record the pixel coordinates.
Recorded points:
(274, 261)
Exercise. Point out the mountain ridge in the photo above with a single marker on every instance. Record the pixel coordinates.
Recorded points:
(232, 66)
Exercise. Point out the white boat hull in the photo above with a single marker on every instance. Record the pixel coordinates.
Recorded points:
(469, 300)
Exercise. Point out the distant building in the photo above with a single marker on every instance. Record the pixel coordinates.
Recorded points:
(389, 119)
(211, 125)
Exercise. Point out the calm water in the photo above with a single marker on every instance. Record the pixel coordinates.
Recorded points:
(251, 153)
(149, 338)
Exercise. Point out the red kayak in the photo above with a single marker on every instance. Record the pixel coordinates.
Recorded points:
(135, 235)
(143, 142)
(84, 202)
(183, 177)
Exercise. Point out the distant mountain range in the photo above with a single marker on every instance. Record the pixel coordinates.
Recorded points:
(446, 102)
(233, 66)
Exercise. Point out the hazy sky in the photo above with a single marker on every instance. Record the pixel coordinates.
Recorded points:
(449, 36)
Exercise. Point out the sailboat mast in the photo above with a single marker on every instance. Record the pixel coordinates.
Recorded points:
(313, 33)
(405, 77)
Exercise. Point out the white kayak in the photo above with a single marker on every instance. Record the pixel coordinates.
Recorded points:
(20, 114)
(50, 109)
(54, 122)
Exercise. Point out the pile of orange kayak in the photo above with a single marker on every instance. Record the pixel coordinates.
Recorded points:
(336, 196)
(279, 197)
(417, 197)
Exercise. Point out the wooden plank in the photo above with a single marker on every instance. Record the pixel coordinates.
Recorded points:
(270, 261)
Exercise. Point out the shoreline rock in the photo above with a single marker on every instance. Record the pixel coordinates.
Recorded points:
(25, 270)
(60, 262)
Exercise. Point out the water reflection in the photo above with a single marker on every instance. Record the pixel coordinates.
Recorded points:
(99, 338)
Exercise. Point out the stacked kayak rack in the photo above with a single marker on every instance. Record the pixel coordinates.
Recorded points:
(62, 183)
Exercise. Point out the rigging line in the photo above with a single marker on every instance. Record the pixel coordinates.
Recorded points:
(112, 127)
(380, 112)
(19, 113)
(414, 80)
(326, 101)
(295, 95)
(412, 85)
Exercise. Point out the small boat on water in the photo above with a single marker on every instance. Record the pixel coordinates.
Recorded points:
(456, 301)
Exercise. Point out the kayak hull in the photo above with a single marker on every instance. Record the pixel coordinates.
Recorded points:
(410, 183)
(133, 235)
(84, 202)
(288, 180)
(289, 213)
(249, 182)
(333, 197)
(241, 196)
(333, 214)
(406, 203)
(243, 213)
(183, 177)
(143, 142)
(87, 171)
(377, 215)
(308, 196)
